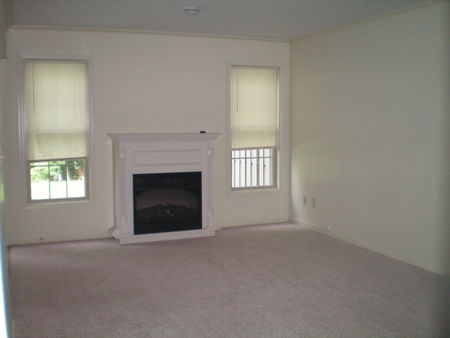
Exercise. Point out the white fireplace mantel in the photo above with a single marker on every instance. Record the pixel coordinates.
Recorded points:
(147, 153)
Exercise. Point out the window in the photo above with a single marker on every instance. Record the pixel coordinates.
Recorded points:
(254, 111)
(56, 129)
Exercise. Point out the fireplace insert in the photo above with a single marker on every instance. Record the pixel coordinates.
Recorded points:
(165, 202)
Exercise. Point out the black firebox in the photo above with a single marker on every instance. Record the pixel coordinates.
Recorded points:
(165, 202)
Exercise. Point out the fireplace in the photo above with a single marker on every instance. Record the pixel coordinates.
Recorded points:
(166, 202)
(162, 187)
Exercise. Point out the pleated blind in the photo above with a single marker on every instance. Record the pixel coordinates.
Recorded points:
(254, 107)
(55, 105)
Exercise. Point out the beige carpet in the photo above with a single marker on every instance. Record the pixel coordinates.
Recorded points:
(262, 281)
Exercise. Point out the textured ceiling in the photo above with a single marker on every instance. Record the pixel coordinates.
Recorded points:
(272, 19)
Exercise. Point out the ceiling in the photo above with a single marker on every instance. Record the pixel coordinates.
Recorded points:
(267, 19)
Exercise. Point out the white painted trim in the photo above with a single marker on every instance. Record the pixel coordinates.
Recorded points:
(147, 32)
(368, 19)
(142, 153)
(323, 229)
(90, 162)
(56, 239)
(166, 236)
(283, 149)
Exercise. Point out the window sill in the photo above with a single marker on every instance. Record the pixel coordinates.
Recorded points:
(56, 203)
(254, 191)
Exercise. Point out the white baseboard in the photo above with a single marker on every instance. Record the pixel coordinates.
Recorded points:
(165, 236)
(329, 232)
(321, 228)
(47, 239)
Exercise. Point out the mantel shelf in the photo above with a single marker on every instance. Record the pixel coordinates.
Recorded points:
(170, 137)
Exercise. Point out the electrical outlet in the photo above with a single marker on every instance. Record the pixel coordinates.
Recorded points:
(313, 202)
(305, 201)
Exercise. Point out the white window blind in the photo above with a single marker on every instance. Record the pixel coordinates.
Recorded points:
(254, 107)
(55, 108)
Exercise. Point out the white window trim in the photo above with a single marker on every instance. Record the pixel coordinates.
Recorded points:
(22, 128)
(283, 129)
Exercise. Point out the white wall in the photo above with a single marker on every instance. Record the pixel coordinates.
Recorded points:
(370, 134)
(140, 83)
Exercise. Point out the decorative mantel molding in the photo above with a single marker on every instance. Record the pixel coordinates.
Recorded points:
(147, 153)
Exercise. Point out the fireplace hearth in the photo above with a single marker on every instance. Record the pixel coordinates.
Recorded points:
(162, 188)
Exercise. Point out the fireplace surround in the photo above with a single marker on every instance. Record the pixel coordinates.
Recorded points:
(162, 187)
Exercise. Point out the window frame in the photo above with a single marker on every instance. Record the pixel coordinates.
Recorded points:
(276, 161)
(23, 58)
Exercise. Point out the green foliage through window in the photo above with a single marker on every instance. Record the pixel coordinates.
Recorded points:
(59, 179)
(56, 170)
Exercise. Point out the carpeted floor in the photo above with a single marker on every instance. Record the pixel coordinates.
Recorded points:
(261, 281)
